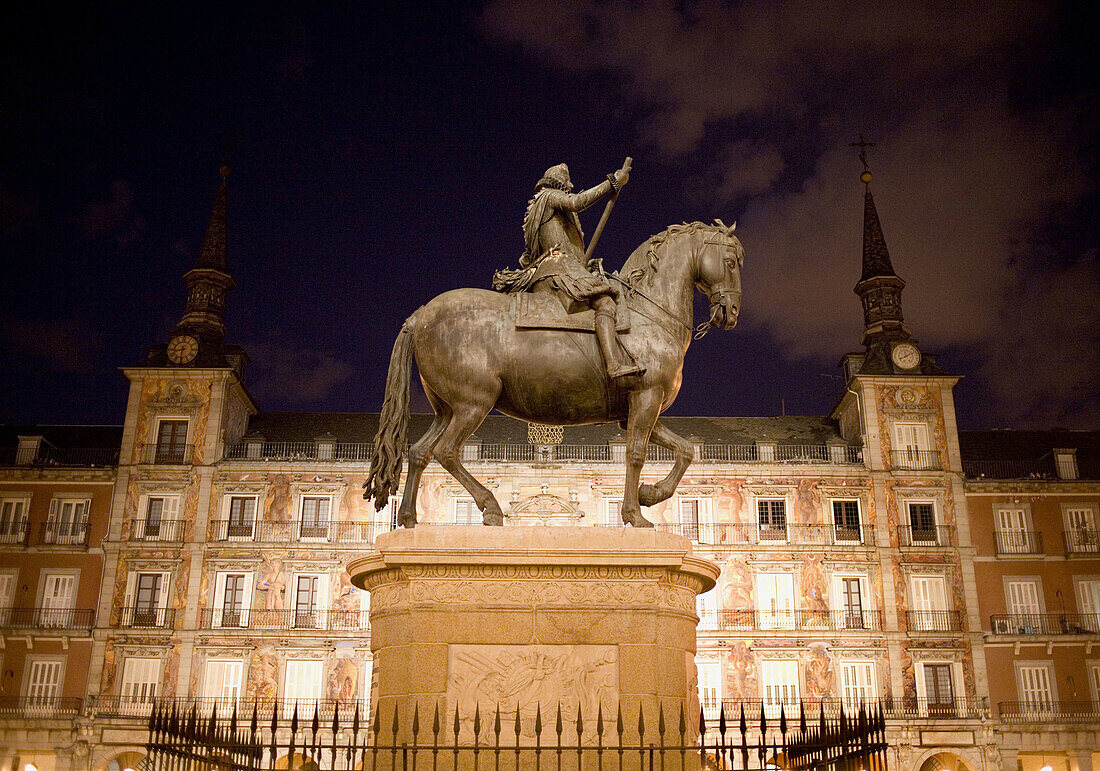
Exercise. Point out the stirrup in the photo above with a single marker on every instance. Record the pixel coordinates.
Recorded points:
(625, 370)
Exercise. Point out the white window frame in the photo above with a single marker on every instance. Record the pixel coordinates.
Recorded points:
(1015, 537)
(922, 692)
(136, 696)
(13, 525)
(1026, 670)
(837, 531)
(777, 691)
(704, 516)
(56, 615)
(918, 431)
(1093, 668)
(310, 683)
(858, 681)
(227, 691)
(866, 603)
(1087, 589)
(936, 536)
(1013, 597)
(317, 617)
(1084, 539)
(611, 512)
(771, 529)
(775, 606)
(187, 438)
(331, 518)
(227, 514)
(130, 598)
(218, 615)
(9, 579)
(61, 529)
(57, 688)
(169, 513)
(706, 607)
(472, 511)
(937, 600)
(709, 683)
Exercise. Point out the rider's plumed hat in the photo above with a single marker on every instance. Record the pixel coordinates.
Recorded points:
(557, 177)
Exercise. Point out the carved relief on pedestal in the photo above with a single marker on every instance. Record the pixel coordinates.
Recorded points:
(544, 509)
(525, 677)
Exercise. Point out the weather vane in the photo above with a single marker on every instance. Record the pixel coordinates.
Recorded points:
(863, 144)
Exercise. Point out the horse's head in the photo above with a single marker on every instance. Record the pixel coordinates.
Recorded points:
(718, 263)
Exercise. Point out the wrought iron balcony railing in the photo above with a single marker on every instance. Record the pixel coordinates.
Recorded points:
(259, 619)
(1045, 623)
(171, 455)
(934, 620)
(144, 617)
(129, 706)
(750, 534)
(727, 619)
(560, 453)
(72, 619)
(141, 529)
(1081, 541)
(1018, 542)
(1049, 711)
(347, 531)
(927, 536)
(14, 533)
(916, 460)
(59, 457)
(64, 533)
(40, 707)
(893, 708)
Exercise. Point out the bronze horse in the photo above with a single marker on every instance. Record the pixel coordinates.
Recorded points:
(472, 358)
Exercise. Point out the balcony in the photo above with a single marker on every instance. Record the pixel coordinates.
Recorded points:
(50, 457)
(903, 708)
(916, 460)
(1045, 623)
(171, 530)
(1049, 711)
(750, 534)
(64, 533)
(924, 537)
(344, 532)
(934, 620)
(40, 707)
(1010, 542)
(72, 619)
(122, 706)
(167, 455)
(1081, 542)
(328, 620)
(14, 533)
(331, 452)
(801, 620)
(145, 617)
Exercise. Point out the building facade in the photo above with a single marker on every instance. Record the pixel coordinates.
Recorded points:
(877, 556)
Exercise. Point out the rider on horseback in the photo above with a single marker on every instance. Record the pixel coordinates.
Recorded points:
(555, 253)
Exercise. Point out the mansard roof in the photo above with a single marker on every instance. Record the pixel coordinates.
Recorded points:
(500, 429)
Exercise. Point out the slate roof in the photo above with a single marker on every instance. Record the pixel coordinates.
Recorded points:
(1012, 445)
(500, 429)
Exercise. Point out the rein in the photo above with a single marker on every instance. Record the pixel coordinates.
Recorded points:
(697, 333)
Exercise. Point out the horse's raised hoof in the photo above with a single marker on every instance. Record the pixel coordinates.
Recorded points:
(648, 495)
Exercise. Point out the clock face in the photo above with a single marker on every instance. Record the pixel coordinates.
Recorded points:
(906, 356)
(183, 349)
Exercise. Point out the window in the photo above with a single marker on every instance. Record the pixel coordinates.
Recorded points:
(613, 512)
(913, 449)
(146, 602)
(43, 680)
(309, 601)
(222, 682)
(922, 523)
(467, 512)
(315, 516)
(928, 604)
(7, 595)
(1033, 682)
(772, 518)
(779, 685)
(171, 441)
(1013, 533)
(1094, 681)
(857, 683)
(846, 522)
(302, 683)
(159, 522)
(58, 590)
(242, 516)
(1081, 535)
(1088, 599)
(775, 600)
(232, 599)
(1022, 600)
(689, 518)
(850, 591)
(67, 521)
(706, 606)
(710, 685)
(13, 520)
(140, 683)
(471, 451)
(939, 689)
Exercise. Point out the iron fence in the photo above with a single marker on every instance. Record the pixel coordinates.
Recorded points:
(934, 620)
(59, 456)
(1049, 711)
(726, 619)
(259, 619)
(266, 737)
(147, 617)
(891, 708)
(142, 529)
(1045, 623)
(916, 460)
(1018, 542)
(14, 532)
(930, 535)
(40, 707)
(1081, 541)
(170, 454)
(751, 534)
(344, 531)
(47, 618)
(64, 533)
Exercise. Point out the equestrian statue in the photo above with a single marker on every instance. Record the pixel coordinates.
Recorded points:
(559, 342)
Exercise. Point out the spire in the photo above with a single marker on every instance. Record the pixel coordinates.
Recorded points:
(213, 251)
(876, 257)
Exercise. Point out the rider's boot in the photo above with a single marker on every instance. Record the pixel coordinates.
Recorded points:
(617, 364)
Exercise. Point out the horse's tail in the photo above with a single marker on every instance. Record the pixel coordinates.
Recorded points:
(393, 422)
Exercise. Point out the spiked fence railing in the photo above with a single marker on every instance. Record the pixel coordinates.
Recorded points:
(264, 736)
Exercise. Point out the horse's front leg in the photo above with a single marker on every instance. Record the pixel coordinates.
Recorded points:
(645, 408)
(682, 453)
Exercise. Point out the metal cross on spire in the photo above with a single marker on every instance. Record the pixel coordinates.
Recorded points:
(863, 144)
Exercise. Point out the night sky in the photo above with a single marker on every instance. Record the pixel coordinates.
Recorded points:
(383, 153)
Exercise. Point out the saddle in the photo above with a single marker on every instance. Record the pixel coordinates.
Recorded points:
(542, 310)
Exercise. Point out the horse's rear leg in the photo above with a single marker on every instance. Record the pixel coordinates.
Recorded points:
(419, 455)
(682, 453)
(464, 421)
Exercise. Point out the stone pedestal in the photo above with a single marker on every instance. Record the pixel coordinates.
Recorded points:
(529, 618)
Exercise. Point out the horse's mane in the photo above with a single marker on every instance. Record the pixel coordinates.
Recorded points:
(645, 260)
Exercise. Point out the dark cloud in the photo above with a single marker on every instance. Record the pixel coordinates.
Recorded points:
(113, 218)
(295, 377)
(69, 346)
(17, 209)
